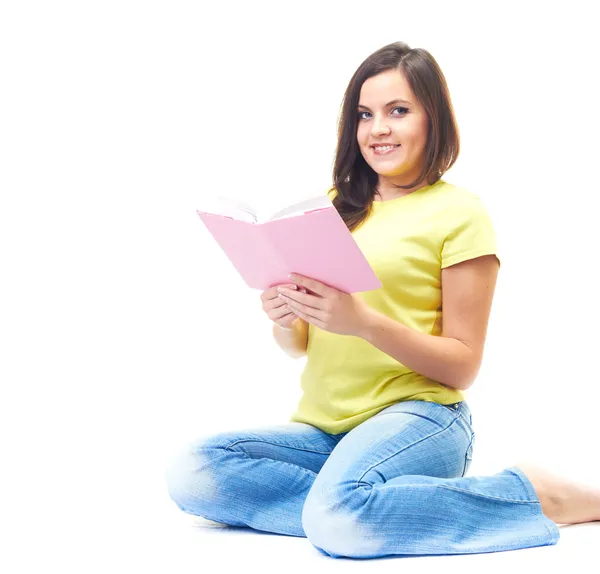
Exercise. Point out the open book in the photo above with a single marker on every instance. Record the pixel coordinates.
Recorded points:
(308, 237)
(245, 212)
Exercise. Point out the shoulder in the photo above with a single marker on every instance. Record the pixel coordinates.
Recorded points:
(459, 203)
(457, 195)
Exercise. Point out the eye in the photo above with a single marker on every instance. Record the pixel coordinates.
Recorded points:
(401, 110)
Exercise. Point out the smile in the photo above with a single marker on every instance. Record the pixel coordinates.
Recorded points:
(384, 150)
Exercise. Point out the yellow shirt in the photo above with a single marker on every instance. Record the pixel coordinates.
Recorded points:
(407, 241)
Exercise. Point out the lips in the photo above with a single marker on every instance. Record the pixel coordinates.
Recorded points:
(384, 149)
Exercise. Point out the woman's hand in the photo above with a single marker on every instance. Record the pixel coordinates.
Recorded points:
(326, 307)
(276, 309)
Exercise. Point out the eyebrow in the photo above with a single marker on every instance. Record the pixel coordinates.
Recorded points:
(388, 104)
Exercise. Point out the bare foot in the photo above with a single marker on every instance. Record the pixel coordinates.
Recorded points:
(563, 500)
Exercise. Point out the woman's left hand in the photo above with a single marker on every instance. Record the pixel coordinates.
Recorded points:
(328, 308)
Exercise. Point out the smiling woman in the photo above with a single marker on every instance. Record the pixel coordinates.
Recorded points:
(374, 460)
(397, 97)
(392, 137)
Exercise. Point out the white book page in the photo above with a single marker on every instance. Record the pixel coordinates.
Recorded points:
(245, 212)
(229, 207)
(301, 207)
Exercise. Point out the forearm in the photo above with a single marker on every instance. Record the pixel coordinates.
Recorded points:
(446, 360)
(293, 342)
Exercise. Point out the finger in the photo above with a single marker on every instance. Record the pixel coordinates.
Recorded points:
(274, 298)
(273, 291)
(268, 294)
(310, 319)
(273, 288)
(286, 312)
(277, 303)
(313, 312)
(287, 316)
(312, 284)
(303, 298)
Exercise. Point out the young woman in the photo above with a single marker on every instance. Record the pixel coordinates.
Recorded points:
(373, 461)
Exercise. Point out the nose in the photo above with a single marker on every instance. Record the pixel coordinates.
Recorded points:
(380, 127)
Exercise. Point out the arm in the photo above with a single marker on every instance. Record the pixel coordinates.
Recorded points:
(293, 342)
(454, 358)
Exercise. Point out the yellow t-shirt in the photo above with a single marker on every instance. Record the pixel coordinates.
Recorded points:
(407, 241)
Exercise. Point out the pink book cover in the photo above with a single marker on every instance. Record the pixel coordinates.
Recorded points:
(316, 244)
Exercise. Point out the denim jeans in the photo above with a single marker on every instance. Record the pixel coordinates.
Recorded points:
(393, 485)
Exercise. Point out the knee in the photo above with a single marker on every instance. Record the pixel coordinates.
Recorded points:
(334, 524)
(188, 477)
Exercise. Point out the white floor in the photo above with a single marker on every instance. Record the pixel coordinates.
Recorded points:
(189, 544)
(166, 540)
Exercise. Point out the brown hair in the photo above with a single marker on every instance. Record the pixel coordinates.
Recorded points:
(353, 178)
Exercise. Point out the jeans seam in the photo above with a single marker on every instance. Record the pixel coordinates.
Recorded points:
(466, 457)
(464, 491)
(273, 444)
(406, 447)
(487, 495)
(294, 465)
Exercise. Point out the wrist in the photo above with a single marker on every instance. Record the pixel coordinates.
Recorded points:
(368, 323)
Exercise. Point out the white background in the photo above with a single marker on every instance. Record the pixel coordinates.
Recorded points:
(125, 330)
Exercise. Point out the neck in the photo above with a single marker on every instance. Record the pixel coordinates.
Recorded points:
(386, 190)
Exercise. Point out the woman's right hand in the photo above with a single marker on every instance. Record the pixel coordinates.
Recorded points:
(276, 309)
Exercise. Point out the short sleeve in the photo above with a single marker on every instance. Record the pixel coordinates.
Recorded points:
(472, 234)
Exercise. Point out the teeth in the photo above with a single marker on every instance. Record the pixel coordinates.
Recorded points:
(384, 148)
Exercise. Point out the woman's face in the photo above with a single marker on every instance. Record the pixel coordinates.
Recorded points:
(389, 113)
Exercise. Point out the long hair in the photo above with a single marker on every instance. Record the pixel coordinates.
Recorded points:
(353, 179)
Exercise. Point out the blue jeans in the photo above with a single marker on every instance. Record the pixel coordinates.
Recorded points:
(393, 485)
